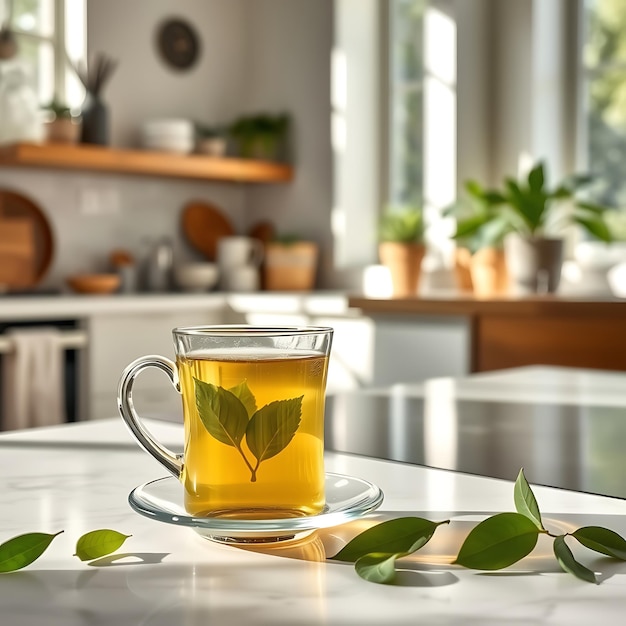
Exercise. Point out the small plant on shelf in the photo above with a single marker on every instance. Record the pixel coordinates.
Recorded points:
(62, 126)
(261, 136)
(57, 110)
(211, 140)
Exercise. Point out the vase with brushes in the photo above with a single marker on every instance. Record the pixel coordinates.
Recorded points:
(95, 112)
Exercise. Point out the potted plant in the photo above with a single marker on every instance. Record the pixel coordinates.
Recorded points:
(260, 136)
(527, 212)
(290, 263)
(480, 265)
(211, 140)
(401, 248)
(62, 126)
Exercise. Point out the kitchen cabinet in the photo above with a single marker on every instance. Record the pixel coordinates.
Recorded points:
(117, 340)
(369, 350)
(143, 162)
(512, 332)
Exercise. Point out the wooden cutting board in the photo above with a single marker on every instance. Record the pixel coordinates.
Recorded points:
(204, 224)
(26, 244)
(17, 252)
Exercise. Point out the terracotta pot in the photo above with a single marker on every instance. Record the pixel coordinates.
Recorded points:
(462, 271)
(290, 267)
(489, 273)
(404, 261)
(63, 130)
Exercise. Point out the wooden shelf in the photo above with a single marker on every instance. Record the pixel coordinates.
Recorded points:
(143, 162)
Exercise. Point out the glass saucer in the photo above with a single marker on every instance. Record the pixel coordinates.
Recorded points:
(347, 498)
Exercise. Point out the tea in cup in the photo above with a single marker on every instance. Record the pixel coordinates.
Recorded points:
(253, 410)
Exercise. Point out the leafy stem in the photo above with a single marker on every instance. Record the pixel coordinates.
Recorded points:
(495, 543)
(231, 415)
(253, 470)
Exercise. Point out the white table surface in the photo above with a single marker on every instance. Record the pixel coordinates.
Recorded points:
(77, 478)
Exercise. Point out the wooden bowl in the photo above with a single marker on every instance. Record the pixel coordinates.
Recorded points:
(94, 283)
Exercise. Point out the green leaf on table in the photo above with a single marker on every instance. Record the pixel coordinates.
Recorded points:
(378, 567)
(569, 564)
(403, 535)
(525, 501)
(22, 550)
(223, 414)
(99, 543)
(498, 541)
(602, 540)
(242, 391)
(272, 427)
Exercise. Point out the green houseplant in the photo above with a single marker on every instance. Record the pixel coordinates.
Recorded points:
(401, 248)
(260, 136)
(480, 267)
(524, 214)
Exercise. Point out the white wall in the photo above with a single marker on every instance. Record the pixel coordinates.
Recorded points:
(289, 69)
(144, 87)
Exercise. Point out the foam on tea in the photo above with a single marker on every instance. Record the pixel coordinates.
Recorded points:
(254, 433)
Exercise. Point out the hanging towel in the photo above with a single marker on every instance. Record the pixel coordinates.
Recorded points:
(33, 379)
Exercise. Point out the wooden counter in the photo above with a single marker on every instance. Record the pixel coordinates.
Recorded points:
(511, 332)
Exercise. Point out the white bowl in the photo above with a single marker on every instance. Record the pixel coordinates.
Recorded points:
(196, 276)
(168, 127)
(182, 146)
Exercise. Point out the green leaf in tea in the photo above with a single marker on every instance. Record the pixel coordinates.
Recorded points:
(21, 551)
(498, 541)
(525, 501)
(272, 427)
(602, 540)
(243, 392)
(229, 415)
(223, 414)
(99, 543)
(395, 536)
(569, 564)
(378, 567)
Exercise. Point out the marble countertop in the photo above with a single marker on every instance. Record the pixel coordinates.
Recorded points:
(77, 478)
(564, 425)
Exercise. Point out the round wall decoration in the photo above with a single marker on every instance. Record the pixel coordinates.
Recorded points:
(178, 43)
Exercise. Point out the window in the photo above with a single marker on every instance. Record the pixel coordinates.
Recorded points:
(50, 34)
(406, 101)
(604, 89)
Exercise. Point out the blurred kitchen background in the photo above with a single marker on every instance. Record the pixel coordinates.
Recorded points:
(285, 121)
(389, 102)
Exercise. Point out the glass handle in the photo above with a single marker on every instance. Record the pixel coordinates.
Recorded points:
(171, 461)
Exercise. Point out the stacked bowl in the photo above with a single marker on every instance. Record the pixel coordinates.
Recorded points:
(169, 135)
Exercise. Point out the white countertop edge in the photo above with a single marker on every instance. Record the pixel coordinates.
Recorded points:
(66, 306)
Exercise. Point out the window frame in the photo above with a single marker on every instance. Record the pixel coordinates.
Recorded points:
(58, 40)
